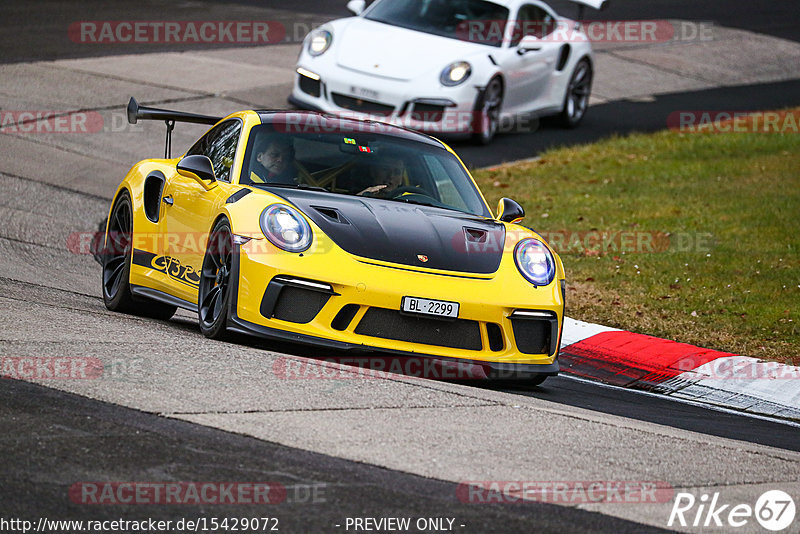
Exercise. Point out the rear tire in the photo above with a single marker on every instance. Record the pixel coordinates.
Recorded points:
(486, 121)
(116, 261)
(576, 100)
(214, 294)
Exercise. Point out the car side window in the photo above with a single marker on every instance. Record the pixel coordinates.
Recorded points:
(220, 146)
(532, 20)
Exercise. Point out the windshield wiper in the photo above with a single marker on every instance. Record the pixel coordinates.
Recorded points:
(434, 204)
(411, 201)
(418, 202)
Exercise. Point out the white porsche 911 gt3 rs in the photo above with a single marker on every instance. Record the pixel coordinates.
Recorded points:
(448, 66)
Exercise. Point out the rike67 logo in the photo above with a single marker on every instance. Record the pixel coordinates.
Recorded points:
(774, 510)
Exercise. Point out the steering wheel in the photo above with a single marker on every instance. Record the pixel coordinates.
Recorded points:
(406, 189)
(416, 195)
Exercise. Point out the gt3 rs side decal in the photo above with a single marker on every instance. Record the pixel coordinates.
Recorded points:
(185, 274)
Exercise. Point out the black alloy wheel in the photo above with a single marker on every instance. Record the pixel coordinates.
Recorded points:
(215, 282)
(116, 261)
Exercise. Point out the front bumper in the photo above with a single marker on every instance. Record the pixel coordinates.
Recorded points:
(352, 94)
(460, 368)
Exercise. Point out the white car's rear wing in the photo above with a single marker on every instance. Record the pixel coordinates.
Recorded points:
(596, 4)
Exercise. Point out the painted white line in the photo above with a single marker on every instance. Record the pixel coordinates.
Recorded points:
(713, 407)
(743, 383)
(575, 331)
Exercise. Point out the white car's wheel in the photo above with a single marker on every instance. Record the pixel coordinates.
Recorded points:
(487, 112)
(577, 98)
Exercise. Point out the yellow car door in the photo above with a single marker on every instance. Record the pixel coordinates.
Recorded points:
(191, 202)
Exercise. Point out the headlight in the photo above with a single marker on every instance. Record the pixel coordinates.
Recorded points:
(535, 261)
(286, 228)
(455, 73)
(319, 42)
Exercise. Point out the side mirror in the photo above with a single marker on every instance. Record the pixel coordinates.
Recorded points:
(529, 43)
(200, 168)
(509, 211)
(357, 6)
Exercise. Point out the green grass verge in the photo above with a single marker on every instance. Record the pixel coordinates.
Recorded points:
(706, 234)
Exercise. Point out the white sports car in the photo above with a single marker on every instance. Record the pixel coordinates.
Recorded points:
(448, 66)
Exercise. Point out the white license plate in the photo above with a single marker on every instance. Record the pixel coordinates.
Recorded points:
(438, 308)
(364, 93)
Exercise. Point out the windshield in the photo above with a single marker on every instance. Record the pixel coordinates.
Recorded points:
(371, 165)
(456, 19)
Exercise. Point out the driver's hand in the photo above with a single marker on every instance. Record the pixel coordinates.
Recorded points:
(374, 189)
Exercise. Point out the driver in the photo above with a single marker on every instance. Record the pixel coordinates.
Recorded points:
(275, 161)
(388, 174)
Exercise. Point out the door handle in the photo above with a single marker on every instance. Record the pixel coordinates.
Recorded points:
(523, 51)
(168, 200)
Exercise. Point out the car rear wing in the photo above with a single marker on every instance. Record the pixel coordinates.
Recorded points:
(137, 112)
(596, 4)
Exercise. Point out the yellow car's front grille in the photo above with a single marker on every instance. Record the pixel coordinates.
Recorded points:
(391, 324)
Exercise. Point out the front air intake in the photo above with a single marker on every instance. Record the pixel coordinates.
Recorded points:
(294, 300)
(391, 324)
(535, 332)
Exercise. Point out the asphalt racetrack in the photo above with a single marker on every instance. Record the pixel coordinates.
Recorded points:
(174, 407)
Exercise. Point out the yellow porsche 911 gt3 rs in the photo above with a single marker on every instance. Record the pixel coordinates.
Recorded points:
(349, 235)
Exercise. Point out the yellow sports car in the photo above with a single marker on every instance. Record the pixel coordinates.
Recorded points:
(345, 234)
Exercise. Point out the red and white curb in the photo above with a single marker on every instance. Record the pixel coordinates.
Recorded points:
(680, 370)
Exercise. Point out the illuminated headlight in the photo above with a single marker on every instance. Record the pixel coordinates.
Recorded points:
(319, 42)
(286, 228)
(455, 73)
(535, 261)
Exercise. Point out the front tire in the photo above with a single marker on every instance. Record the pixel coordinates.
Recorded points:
(214, 293)
(576, 101)
(537, 380)
(116, 261)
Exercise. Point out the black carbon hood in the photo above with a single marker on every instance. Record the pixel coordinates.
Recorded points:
(408, 234)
